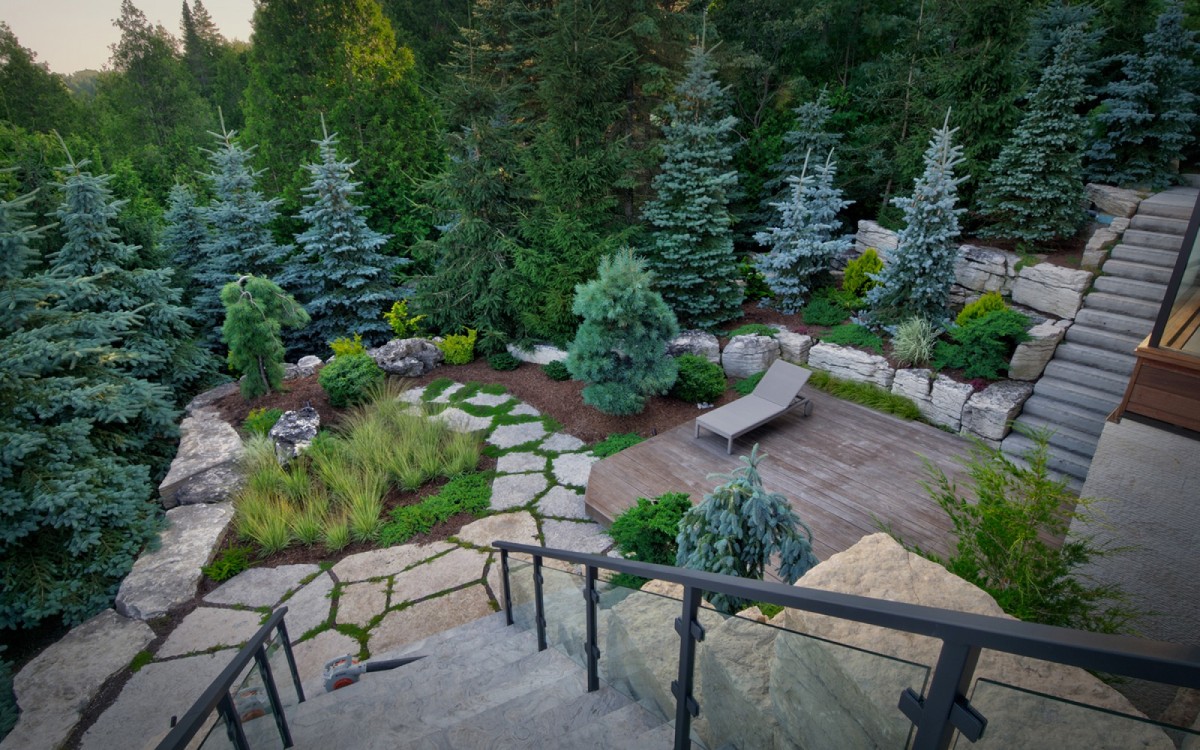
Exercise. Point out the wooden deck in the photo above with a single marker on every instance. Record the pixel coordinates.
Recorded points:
(846, 469)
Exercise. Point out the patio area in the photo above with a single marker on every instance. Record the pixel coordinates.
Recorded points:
(846, 469)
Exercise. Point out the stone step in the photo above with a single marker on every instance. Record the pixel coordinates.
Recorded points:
(1063, 463)
(1070, 393)
(1148, 256)
(1144, 290)
(1116, 303)
(1120, 365)
(624, 728)
(1157, 240)
(1099, 338)
(1162, 224)
(1063, 438)
(1115, 322)
(1137, 271)
(1161, 205)
(1087, 377)
(1056, 412)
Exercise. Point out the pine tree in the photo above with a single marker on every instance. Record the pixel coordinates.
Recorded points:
(805, 242)
(810, 135)
(74, 509)
(1036, 191)
(256, 311)
(919, 273)
(620, 348)
(338, 273)
(1149, 117)
(184, 236)
(691, 250)
(738, 528)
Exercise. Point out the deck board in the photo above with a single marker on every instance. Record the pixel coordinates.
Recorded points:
(846, 470)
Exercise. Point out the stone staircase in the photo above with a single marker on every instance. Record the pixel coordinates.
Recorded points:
(1086, 379)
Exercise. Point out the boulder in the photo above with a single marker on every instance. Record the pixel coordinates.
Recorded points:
(871, 234)
(735, 670)
(1051, 289)
(700, 343)
(1095, 252)
(794, 347)
(915, 384)
(988, 414)
(407, 358)
(852, 364)
(294, 432)
(205, 469)
(540, 354)
(746, 355)
(1032, 356)
(1113, 200)
(210, 397)
(979, 270)
(310, 362)
(947, 398)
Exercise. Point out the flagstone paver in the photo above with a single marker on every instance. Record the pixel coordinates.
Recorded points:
(385, 562)
(560, 442)
(489, 399)
(512, 435)
(446, 572)
(517, 527)
(309, 607)
(428, 617)
(562, 503)
(261, 587)
(359, 603)
(413, 395)
(515, 463)
(574, 468)
(444, 396)
(208, 628)
(576, 536)
(516, 490)
(524, 410)
(459, 421)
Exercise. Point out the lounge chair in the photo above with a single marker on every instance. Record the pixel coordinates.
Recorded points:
(776, 393)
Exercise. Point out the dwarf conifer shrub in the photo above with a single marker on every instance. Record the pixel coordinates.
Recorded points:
(647, 531)
(855, 335)
(348, 379)
(459, 349)
(256, 311)
(503, 361)
(982, 348)
(990, 302)
(699, 381)
(615, 444)
(556, 370)
(858, 278)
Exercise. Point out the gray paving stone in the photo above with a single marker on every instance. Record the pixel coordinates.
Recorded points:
(309, 607)
(489, 399)
(523, 409)
(576, 536)
(385, 562)
(209, 627)
(515, 463)
(516, 490)
(509, 435)
(312, 654)
(426, 618)
(560, 442)
(261, 587)
(56, 686)
(358, 603)
(446, 572)
(413, 395)
(562, 502)
(517, 527)
(459, 421)
(574, 468)
(444, 396)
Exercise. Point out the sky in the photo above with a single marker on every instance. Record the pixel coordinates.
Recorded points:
(70, 35)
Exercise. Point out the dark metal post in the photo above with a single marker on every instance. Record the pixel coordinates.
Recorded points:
(264, 667)
(291, 660)
(946, 708)
(690, 631)
(592, 597)
(539, 605)
(233, 723)
(508, 618)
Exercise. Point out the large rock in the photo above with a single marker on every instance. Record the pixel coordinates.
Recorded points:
(210, 397)
(1031, 357)
(205, 469)
(947, 398)
(979, 270)
(915, 384)
(517, 527)
(700, 343)
(852, 364)
(1114, 200)
(540, 354)
(167, 577)
(746, 355)
(871, 234)
(56, 686)
(309, 362)
(1051, 289)
(794, 347)
(294, 432)
(988, 415)
(407, 358)
(735, 670)
(1095, 252)
(261, 587)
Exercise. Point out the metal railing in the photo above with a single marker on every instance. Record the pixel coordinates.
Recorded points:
(217, 697)
(936, 714)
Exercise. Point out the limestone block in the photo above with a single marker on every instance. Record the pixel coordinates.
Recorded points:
(460, 421)
(451, 570)
(700, 343)
(512, 435)
(359, 603)
(516, 463)
(871, 234)
(947, 398)
(573, 468)
(205, 470)
(309, 607)
(794, 347)
(746, 355)
(309, 362)
(560, 442)
(735, 670)
(984, 269)
(407, 358)
(385, 562)
(1051, 289)
(915, 384)
(209, 397)
(561, 502)
(517, 527)
(210, 628)
(540, 354)
(1032, 356)
(1096, 250)
(852, 364)
(989, 413)
(1113, 200)
(427, 618)
(516, 490)
(260, 587)
(576, 536)
(294, 432)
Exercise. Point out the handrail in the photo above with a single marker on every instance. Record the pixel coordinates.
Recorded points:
(963, 634)
(216, 696)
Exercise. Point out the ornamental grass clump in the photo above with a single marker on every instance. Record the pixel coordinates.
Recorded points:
(913, 341)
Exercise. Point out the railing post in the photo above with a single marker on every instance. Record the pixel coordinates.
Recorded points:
(690, 631)
(945, 708)
(539, 616)
(508, 618)
(291, 660)
(264, 667)
(233, 723)
(592, 597)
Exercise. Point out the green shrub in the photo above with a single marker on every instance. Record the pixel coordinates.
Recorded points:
(646, 532)
(857, 278)
(914, 341)
(345, 347)
(403, 326)
(699, 381)
(459, 349)
(867, 394)
(852, 334)
(228, 564)
(821, 311)
(503, 361)
(349, 378)
(746, 386)
(755, 285)
(982, 348)
(615, 444)
(260, 421)
(990, 302)
(753, 329)
(8, 702)
(467, 493)
(556, 370)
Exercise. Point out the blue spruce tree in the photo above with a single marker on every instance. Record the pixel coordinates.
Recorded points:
(806, 239)
(1149, 117)
(809, 136)
(691, 249)
(917, 277)
(338, 273)
(184, 236)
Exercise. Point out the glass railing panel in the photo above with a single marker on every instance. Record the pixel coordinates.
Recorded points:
(254, 709)
(217, 737)
(520, 587)
(566, 612)
(1017, 717)
(277, 658)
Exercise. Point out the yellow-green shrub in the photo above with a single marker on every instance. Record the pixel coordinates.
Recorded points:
(857, 279)
(988, 303)
(458, 349)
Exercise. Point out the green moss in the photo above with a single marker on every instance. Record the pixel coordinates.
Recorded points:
(140, 659)
(435, 388)
(615, 444)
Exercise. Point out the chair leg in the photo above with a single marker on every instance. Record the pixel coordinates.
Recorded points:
(729, 447)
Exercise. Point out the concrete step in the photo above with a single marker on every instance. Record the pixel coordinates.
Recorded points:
(1099, 338)
(1143, 290)
(1119, 365)
(1113, 321)
(1137, 271)
(624, 728)
(1053, 411)
(1063, 463)
(1086, 376)
(1073, 394)
(1162, 224)
(1117, 303)
(1063, 438)
(1168, 206)
(1148, 256)
(1157, 240)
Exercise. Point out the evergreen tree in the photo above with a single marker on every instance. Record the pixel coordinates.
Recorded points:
(256, 311)
(1149, 117)
(810, 135)
(919, 273)
(620, 349)
(74, 509)
(31, 96)
(738, 528)
(184, 236)
(338, 273)
(806, 241)
(1036, 190)
(691, 251)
